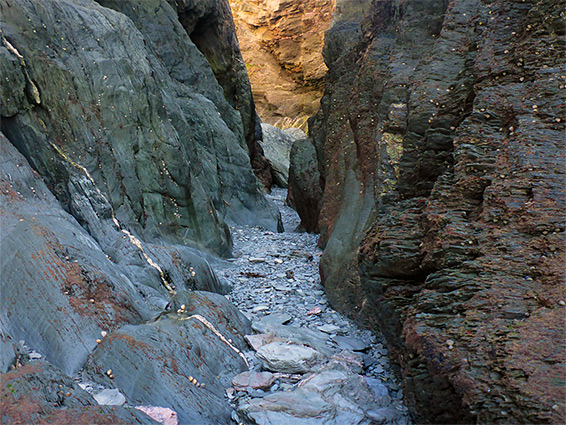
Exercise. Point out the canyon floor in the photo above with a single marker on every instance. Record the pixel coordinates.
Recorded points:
(343, 375)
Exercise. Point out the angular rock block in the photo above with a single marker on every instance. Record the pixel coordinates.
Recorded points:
(335, 395)
(288, 358)
(276, 144)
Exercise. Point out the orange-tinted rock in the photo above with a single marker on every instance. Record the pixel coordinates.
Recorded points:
(281, 42)
(255, 380)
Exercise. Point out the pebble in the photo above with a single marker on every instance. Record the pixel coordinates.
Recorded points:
(256, 260)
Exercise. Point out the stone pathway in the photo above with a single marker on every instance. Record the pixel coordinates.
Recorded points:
(309, 364)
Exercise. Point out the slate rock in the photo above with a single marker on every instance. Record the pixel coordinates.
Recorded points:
(332, 396)
(446, 207)
(288, 357)
(350, 343)
(99, 129)
(305, 336)
(329, 328)
(59, 288)
(7, 353)
(40, 393)
(217, 310)
(305, 192)
(276, 146)
(257, 341)
(254, 380)
(158, 363)
(109, 397)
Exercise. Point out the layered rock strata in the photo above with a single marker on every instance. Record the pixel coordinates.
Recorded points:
(282, 48)
(439, 144)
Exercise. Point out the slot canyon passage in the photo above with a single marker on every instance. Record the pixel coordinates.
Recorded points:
(282, 212)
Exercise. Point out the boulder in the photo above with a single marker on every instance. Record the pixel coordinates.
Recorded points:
(276, 145)
(288, 357)
(334, 395)
(270, 329)
(40, 393)
(254, 380)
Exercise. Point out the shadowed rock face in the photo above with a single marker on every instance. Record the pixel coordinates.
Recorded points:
(154, 133)
(440, 148)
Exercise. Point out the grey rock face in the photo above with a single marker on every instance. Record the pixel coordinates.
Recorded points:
(305, 192)
(7, 353)
(276, 144)
(170, 159)
(39, 391)
(59, 290)
(122, 161)
(175, 363)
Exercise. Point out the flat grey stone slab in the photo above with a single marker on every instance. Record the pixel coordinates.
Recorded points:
(289, 358)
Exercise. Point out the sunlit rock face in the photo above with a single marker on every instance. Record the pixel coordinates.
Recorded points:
(440, 150)
(281, 42)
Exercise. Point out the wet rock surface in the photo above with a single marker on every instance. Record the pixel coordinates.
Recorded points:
(438, 142)
(325, 369)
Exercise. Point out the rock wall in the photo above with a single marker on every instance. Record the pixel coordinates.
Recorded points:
(282, 44)
(439, 144)
(125, 149)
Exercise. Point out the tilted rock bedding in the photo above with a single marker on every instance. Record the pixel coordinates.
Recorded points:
(440, 149)
(125, 155)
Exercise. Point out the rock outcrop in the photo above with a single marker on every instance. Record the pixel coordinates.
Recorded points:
(125, 153)
(282, 44)
(276, 144)
(145, 120)
(440, 148)
(40, 393)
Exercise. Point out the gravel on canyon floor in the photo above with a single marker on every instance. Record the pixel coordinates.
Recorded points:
(309, 363)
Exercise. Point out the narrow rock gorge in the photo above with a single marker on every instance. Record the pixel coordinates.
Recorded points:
(150, 274)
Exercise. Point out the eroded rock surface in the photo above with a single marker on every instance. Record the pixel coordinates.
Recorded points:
(155, 133)
(282, 44)
(438, 142)
(40, 393)
(276, 144)
(181, 361)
